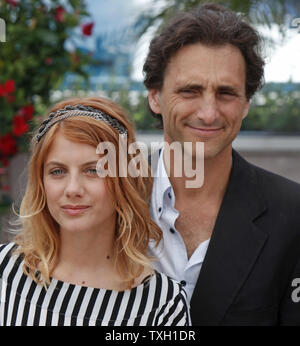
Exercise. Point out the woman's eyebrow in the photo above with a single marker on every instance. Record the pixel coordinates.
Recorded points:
(57, 163)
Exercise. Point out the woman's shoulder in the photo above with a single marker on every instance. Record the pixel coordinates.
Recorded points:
(6, 255)
(162, 288)
(173, 308)
(172, 287)
(7, 248)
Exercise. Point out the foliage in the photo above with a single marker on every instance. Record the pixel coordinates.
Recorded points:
(259, 12)
(34, 61)
(276, 108)
(135, 103)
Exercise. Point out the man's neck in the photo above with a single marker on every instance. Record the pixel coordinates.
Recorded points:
(216, 175)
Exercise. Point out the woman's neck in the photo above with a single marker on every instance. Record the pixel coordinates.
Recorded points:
(85, 258)
(86, 250)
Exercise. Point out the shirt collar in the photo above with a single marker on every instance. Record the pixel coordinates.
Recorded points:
(162, 182)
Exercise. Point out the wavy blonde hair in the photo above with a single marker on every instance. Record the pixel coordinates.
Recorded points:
(38, 235)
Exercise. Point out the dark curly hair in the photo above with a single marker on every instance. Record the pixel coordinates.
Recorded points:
(209, 24)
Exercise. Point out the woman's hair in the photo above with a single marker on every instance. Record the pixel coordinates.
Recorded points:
(39, 240)
(209, 24)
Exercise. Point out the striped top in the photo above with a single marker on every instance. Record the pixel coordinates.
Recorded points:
(160, 301)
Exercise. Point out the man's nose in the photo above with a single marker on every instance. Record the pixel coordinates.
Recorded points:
(74, 186)
(208, 109)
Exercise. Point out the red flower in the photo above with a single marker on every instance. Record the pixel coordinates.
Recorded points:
(48, 61)
(87, 29)
(10, 86)
(7, 87)
(5, 188)
(4, 161)
(27, 112)
(14, 3)
(19, 125)
(11, 98)
(2, 90)
(59, 14)
(8, 145)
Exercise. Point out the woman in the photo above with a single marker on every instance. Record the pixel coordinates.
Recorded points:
(81, 255)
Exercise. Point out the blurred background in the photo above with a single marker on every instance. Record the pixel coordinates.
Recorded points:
(54, 49)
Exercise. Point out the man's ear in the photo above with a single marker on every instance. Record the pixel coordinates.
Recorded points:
(246, 109)
(154, 101)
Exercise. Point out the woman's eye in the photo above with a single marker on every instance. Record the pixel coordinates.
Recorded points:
(56, 172)
(92, 171)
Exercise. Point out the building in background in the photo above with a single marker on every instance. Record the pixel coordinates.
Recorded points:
(113, 45)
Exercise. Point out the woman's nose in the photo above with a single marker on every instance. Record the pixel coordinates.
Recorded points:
(74, 187)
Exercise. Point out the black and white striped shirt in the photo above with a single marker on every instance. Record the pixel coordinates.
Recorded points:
(160, 301)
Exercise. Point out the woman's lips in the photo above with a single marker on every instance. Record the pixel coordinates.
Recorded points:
(74, 211)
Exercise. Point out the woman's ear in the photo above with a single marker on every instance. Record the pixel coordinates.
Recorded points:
(154, 101)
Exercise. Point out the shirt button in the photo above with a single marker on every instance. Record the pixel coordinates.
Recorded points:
(159, 209)
(183, 283)
(172, 230)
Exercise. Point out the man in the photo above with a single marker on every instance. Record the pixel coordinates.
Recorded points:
(234, 242)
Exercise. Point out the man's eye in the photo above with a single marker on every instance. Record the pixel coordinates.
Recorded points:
(230, 93)
(188, 92)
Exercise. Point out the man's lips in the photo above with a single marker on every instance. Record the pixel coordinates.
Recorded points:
(205, 132)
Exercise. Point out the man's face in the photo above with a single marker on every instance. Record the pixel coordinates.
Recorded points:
(203, 97)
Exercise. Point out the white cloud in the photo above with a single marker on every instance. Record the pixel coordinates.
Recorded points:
(284, 62)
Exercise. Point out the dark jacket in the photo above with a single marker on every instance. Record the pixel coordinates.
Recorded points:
(253, 258)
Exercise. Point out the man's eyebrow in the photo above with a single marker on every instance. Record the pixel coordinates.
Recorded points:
(228, 88)
(199, 87)
(57, 163)
(190, 86)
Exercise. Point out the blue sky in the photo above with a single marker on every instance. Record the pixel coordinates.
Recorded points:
(113, 15)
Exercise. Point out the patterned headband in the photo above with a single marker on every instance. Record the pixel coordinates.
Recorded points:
(78, 110)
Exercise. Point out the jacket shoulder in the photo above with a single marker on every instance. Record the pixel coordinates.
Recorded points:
(277, 185)
(266, 181)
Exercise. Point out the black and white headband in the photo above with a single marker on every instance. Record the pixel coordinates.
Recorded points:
(78, 110)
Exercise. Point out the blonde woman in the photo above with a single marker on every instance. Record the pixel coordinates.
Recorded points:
(80, 257)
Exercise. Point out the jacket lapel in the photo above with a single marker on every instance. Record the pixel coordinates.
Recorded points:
(234, 246)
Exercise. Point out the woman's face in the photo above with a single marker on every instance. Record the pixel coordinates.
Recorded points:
(77, 197)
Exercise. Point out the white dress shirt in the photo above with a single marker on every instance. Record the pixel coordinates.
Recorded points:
(171, 252)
